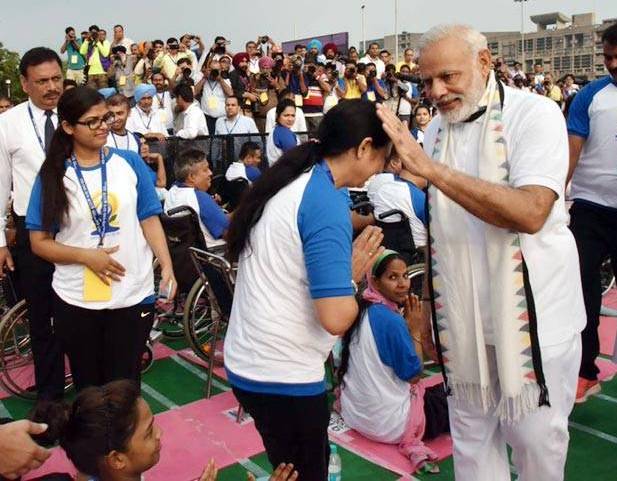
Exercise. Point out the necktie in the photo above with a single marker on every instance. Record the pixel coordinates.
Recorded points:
(49, 129)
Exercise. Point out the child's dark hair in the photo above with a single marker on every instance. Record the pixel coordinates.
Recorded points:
(248, 148)
(363, 305)
(100, 420)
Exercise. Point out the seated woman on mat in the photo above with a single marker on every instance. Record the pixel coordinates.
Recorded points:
(380, 396)
(110, 434)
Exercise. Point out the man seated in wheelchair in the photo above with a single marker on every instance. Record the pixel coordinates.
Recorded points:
(247, 167)
(193, 179)
(394, 189)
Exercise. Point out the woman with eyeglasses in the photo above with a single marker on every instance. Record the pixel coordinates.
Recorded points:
(93, 212)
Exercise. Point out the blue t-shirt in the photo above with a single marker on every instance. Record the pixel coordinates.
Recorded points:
(284, 138)
(325, 228)
(393, 340)
(252, 173)
(211, 214)
(370, 87)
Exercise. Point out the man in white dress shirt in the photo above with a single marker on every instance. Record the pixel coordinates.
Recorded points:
(25, 137)
(190, 121)
(162, 101)
(372, 56)
(236, 123)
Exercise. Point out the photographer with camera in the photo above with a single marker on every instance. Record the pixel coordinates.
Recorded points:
(353, 84)
(253, 54)
(193, 46)
(145, 60)
(167, 62)
(241, 83)
(184, 74)
(551, 90)
(375, 87)
(121, 72)
(96, 52)
(401, 92)
(75, 62)
(295, 80)
(330, 51)
(318, 88)
(266, 84)
(213, 89)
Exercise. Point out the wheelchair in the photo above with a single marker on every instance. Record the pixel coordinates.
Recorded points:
(16, 359)
(201, 309)
(230, 191)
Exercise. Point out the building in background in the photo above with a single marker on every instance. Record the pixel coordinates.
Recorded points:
(562, 44)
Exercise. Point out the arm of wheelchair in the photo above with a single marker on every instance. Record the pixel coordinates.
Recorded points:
(365, 204)
(390, 213)
(180, 209)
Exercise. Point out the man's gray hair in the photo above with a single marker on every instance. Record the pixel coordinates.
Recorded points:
(474, 39)
(186, 161)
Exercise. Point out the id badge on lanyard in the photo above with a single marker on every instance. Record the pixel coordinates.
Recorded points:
(94, 289)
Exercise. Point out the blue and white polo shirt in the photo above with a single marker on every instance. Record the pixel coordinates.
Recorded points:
(299, 251)
(593, 116)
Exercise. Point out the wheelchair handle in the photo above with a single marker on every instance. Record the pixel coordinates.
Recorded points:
(362, 205)
(180, 208)
(390, 213)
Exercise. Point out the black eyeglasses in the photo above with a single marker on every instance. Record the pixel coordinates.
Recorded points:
(96, 122)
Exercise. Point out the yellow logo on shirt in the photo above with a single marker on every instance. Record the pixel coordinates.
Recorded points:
(112, 224)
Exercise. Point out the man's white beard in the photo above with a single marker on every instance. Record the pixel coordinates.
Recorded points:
(469, 101)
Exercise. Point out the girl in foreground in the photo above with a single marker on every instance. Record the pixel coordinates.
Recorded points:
(110, 434)
(381, 396)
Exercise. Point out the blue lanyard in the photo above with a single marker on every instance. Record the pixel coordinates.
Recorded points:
(128, 142)
(233, 126)
(100, 220)
(36, 131)
(147, 126)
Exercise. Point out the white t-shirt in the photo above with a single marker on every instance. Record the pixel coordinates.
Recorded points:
(240, 125)
(123, 142)
(164, 103)
(593, 116)
(300, 250)
(132, 198)
(298, 126)
(537, 150)
(145, 123)
(387, 192)
(191, 122)
(376, 396)
(213, 98)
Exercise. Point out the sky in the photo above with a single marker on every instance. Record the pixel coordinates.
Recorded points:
(29, 23)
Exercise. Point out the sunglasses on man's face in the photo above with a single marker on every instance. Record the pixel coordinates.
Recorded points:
(95, 123)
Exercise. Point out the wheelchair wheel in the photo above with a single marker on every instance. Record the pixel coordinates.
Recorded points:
(16, 360)
(607, 276)
(168, 313)
(201, 322)
(416, 276)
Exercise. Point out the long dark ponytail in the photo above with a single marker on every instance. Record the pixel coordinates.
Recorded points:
(342, 128)
(54, 201)
(363, 305)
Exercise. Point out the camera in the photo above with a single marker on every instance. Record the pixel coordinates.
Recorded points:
(371, 74)
(214, 73)
(311, 69)
(264, 39)
(296, 62)
(186, 73)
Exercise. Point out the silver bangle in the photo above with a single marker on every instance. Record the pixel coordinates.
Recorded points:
(355, 286)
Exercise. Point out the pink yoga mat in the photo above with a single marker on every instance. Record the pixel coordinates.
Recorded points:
(387, 455)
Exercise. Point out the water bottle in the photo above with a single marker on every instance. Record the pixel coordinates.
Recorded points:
(335, 467)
